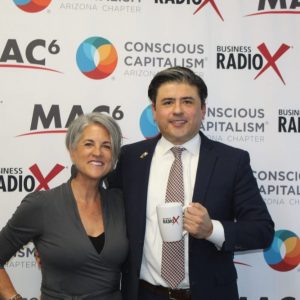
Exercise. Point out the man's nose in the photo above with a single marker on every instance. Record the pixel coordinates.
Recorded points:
(177, 107)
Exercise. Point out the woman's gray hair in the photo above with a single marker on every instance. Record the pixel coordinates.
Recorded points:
(77, 126)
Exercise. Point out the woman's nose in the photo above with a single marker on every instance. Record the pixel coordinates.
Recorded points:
(97, 151)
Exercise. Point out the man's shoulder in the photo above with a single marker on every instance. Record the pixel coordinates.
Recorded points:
(221, 147)
(143, 144)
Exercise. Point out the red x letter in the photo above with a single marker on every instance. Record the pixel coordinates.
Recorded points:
(175, 220)
(272, 59)
(44, 180)
(212, 2)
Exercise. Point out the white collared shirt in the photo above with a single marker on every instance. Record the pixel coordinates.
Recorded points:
(159, 173)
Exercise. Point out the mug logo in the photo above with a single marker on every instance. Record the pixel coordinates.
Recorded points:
(173, 220)
(288, 259)
(32, 6)
(96, 58)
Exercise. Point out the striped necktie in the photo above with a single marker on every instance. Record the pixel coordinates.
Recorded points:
(172, 267)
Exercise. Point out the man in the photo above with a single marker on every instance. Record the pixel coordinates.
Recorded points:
(226, 211)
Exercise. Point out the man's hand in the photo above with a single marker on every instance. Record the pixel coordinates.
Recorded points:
(197, 221)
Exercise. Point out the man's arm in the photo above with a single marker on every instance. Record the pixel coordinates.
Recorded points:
(251, 226)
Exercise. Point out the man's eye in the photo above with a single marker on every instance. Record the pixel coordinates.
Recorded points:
(188, 101)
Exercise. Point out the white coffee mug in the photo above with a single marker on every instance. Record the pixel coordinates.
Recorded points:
(170, 221)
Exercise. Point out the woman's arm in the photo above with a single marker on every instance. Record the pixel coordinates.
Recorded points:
(7, 290)
(24, 225)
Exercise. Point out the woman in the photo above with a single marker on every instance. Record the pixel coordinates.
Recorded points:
(78, 228)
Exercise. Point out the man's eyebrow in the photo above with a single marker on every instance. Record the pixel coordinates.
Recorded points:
(174, 98)
(187, 98)
(168, 98)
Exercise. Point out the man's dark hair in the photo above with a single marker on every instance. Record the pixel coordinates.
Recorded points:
(179, 75)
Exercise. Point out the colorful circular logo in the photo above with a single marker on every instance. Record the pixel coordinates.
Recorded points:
(32, 6)
(284, 253)
(148, 126)
(96, 58)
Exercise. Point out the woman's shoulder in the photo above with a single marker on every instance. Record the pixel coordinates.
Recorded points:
(43, 197)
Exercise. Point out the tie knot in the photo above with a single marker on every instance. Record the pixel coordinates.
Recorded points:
(177, 151)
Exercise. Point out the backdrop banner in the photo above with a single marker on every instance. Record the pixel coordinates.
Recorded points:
(62, 58)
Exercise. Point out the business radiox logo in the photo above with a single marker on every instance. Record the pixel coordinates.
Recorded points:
(246, 57)
(284, 253)
(32, 6)
(289, 120)
(96, 57)
(199, 4)
(18, 179)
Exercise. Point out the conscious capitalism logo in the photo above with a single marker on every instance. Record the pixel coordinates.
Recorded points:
(32, 6)
(96, 57)
(148, 126)
(24, 259)
(284, 253)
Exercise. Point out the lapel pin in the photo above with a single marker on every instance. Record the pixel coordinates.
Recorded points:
(144, 155)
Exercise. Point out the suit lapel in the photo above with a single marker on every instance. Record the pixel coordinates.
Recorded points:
(144, 163)
(207, 161)
(139, 200)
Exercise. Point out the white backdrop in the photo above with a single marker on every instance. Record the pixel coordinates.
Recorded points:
(248, 52)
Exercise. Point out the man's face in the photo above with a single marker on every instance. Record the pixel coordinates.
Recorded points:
(178, 111)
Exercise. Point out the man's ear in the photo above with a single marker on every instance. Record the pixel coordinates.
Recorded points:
(153, 111)
(203, 111)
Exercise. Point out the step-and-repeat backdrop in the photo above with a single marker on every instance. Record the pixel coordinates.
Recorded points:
(62, 58)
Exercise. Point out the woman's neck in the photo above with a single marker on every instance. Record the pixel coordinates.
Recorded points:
(85, 191)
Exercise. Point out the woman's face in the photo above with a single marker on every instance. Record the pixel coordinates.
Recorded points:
(92, 155)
